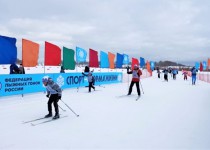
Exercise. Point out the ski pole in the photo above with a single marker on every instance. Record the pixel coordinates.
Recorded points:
(141, 87)
(78, 87)
(70, 109)
(61, 108)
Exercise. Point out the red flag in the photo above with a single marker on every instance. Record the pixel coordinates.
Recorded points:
(111, 60)
(52, 55)
(201, 66)
(134, 62)
(30, 53)
(93, 58)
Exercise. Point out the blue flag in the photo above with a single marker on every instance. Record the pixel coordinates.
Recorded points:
(104, 60)
(119, 60)
(197, 65)
(142, 62)
(81, 54)
(152, 65)
(125, 59)
(204, 65)
(8, 50)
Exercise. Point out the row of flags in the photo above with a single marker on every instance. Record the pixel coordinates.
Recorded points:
(202, 65)
(52, 56)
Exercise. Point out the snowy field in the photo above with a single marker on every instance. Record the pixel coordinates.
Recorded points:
(169, 115)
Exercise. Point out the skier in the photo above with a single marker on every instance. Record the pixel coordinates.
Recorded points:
(194, 72)
(165, 71)
(62, 70)
(91, 80)
(54, 93)
(185, 74)
(21, 69)
(158, 72)
(14, 69)
(174, 72)
(136, 73)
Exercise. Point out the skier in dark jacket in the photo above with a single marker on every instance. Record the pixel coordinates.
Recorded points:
(54, 93)
(165, 71)
(158, 72)
(14, 69)
(194, 73)
(136, 73)
(91, 80)
(21, 69)
(62, 70)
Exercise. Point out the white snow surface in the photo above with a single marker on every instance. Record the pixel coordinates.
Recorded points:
(169, 115)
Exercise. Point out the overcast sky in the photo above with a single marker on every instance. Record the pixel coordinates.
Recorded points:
(175, 30)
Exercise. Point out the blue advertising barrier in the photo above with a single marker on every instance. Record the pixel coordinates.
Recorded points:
(14, 84)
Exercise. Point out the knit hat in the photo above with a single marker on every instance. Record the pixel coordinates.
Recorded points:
(45, 79)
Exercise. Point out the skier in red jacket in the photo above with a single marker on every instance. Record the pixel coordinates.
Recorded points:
(136, 73)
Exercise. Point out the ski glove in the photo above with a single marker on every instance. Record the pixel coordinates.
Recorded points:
(48, 95)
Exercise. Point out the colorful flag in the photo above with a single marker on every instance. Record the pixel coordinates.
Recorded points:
(52, 55)
(152, 65)
(111, 60)
(30, 53)
(197, 65)
(125, 59)
(104, 60)
(81, 55)
(149, 68)
(68, 58)
(8, 50)
(204, 65)
(142, 62)
(93, 58)
(208, 63)
(134, 62)
(201, 66)
(119, 62)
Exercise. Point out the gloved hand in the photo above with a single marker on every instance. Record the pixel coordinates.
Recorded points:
(59, 97)
(48, 95)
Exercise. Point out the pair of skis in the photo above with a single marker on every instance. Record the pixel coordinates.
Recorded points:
(43, 120)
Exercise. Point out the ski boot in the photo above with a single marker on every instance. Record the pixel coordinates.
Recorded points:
(56, 116)
(48, 115)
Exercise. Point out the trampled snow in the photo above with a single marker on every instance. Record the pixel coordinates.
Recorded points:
(169, 115)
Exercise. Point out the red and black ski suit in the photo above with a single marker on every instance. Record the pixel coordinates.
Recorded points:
(136, 73)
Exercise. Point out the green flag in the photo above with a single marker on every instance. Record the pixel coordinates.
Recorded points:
(68, 58)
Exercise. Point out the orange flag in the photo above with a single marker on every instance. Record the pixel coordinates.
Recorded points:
(208, 63)
(148, 68)
(111, 60)
(30, 53)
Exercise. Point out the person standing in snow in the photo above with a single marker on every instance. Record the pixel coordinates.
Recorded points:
(21, 69)
(14, 69)
(62, 70)
(174, 72)
(136, 73)
(185, 74)
(91, 80)
(165, 71)
(54, 93)
(194, 73)
(158, 72)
